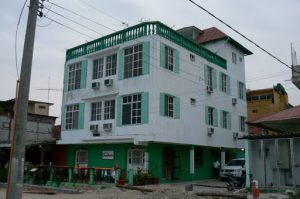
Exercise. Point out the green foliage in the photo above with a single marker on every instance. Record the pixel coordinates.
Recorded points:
(141, 177)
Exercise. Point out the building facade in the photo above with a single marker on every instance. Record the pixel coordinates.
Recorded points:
(150, 98)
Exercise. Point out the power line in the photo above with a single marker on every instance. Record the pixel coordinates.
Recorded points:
(258, 46)
(69, 27)
(102, 12)
(16, 38)
(84, 26)
(91, 20)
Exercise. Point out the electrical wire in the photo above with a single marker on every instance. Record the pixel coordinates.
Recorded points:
(69, 27)
(84, 26)
(102, 12)
(242, 35)
(79, 15)
(16, 39)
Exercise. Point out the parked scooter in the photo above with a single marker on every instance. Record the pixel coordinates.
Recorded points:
(234, 182)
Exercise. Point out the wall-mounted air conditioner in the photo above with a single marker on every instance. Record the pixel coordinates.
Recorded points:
(210, 131)
(209, 89)
(94, 129)
(107, 126)
(96, 85)
(234, 101)
(235, 135)
(108, 82)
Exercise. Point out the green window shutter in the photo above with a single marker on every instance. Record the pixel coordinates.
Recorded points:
(120, 64)
(214, 75)
(63, 118)
(177, 107)
(119, 111)
(206, 74)
(145, 108)
(83, 74)
(162, 104)
(244, 94)
(228, 85)
(229, 120)
(240, 120)
(238, 87)
(206, 115)
(162, 56)
(221, 119)
(177, 61)
(66, 78)
(220, 81)
(215, 114)
(146, 57)
(81, 116)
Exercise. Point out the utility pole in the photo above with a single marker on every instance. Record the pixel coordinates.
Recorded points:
(15, 177)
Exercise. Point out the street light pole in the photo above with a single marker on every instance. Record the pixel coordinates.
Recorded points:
(15, 177)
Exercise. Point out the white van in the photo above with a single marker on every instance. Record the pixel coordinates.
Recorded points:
(234, 167)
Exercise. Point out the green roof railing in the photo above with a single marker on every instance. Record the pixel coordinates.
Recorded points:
(141, 30)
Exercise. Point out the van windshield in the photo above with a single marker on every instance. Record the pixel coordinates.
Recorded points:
(236, 163)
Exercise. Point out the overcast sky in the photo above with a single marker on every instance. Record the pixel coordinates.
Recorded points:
(273, 24)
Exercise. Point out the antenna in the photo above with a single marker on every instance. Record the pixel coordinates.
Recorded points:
(49, 89)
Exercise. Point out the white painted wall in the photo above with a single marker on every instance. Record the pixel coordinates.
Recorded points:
(188, 83)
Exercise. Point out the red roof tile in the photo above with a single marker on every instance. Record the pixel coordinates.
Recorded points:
(210, 34)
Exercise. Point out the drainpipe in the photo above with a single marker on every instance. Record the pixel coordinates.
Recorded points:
(192, 163)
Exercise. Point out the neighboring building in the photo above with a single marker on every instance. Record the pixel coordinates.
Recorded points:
(39, 130)
(149, 98)
(275, 159)
(263, 102)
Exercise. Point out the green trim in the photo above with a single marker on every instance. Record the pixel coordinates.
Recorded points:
(214, 78)
(206, 74)
(81, 116)
(221, 119)
(215, 114)
(206, 115)
(228, 91)
(177, 62)
(120, 63)
(66, 78)
(146, 57)
(162, 55)
(145, 108)
(63, 118)
(84, 64)
(141, 30)
(177, 107)
(119, 111)
(162, 104)
(229, 120)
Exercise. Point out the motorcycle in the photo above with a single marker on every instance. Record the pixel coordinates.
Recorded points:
(234, 182)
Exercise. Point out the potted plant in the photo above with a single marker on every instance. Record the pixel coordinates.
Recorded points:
(122, 179)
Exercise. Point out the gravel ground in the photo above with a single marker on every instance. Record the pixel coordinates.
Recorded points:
(162, 191)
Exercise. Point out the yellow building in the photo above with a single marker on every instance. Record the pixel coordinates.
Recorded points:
(263, 102)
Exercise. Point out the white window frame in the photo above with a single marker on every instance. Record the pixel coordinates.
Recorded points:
(72, 116)
(98, 67)
(135, 102)
(169, 106)
(169, 58)
(74, 77)
(241, 90)
(210, 115)
(109, 109)
(225, 121)
(136, 157)
(242, 124)
(133, 61)
(81, 158)
(96, 111)
(111, 65)
(224, 80)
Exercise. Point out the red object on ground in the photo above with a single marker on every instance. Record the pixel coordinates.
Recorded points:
(255, 193)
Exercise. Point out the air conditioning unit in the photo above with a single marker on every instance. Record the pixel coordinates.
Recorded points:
(234, 101)
(108, 82)
(107, 126)
(95, 85)
(235, 135)
(209, 89)
(94, 127)
(210, 131)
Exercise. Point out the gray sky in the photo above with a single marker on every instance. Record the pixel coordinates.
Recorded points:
(273, 24)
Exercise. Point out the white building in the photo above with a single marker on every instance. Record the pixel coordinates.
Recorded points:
(148, 97)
